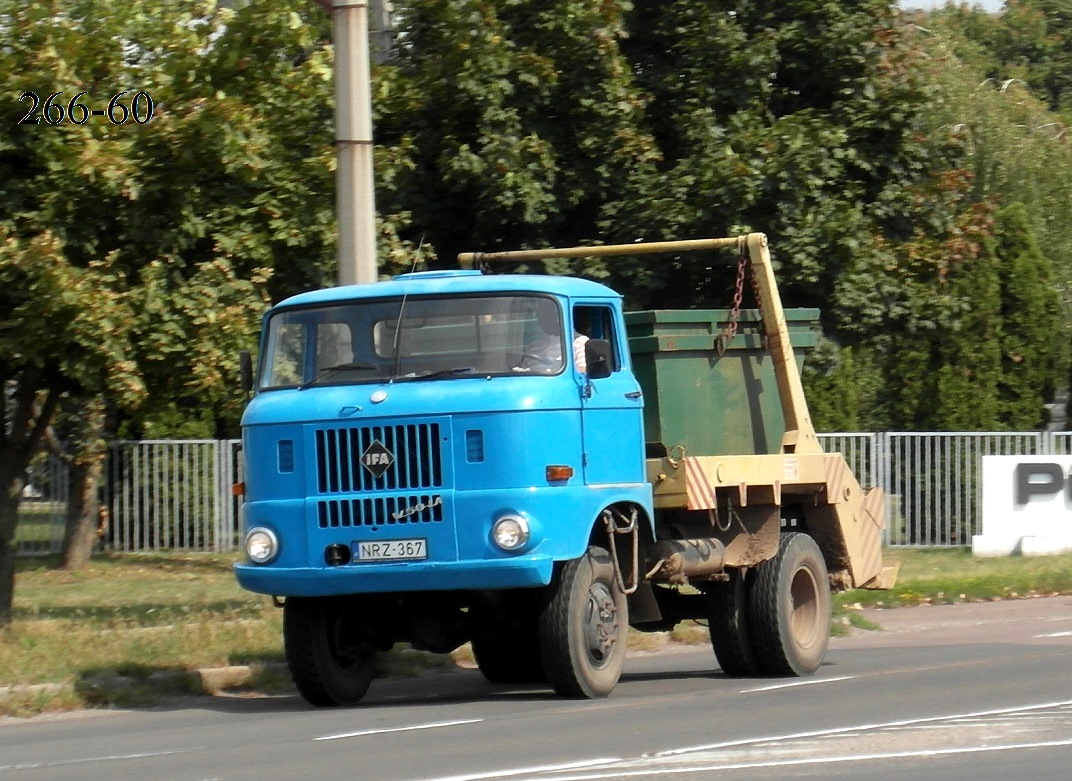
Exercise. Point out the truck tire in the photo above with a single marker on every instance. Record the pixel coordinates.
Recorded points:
(584, 624)
(727, 619)
(789, 608)
(328, 660)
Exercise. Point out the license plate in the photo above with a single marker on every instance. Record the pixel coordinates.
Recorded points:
(391, 550)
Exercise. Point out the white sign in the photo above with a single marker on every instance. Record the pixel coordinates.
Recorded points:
(1027, 506)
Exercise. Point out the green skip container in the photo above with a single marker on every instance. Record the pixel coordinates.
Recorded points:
(698, 402)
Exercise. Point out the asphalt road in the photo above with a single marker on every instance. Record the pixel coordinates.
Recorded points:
(970, 691)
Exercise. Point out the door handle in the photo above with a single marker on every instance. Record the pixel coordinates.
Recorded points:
(634, 394)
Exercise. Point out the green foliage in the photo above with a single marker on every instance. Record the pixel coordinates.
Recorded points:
(221, 202)
(833, 388)
(1018, 154)
(1033, 344)
(1030, 41)
(814, 122)
(1017, 150)
(865, 148)
(69, 324)
(137, 257)
(516, 122)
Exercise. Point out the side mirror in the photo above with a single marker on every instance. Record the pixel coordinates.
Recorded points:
(245, 370)
(597, 354)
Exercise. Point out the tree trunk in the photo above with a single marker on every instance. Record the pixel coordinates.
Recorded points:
(10, 494)
(83, 514)
(22, 425)
(86, 467)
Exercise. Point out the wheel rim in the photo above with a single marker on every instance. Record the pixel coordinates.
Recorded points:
(804, 618)
(601, 625)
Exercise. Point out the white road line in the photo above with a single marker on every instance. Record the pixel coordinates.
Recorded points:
(809, 682)
(521, 771)
(87, 760)
(1055, 634)
(618, 774)
(409, 728)
(591, 771)
(859, 728)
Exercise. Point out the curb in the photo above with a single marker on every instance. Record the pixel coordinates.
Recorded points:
(209, 681)
(34, 690)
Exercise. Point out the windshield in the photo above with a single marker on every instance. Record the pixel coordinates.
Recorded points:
(434, 338)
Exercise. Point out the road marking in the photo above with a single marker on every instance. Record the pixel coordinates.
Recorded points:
(87, 760)
(520, 771)
(615, 774)
(616, 767)
(433, 725)
(809, 682)
(860, 727)
(1055, 634)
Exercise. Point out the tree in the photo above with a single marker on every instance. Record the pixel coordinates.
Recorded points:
(1019, 154)
(517, 122)
(811, 121)
(136, 258)
(1033, 342)
(924, 317)
(1031, 41)
(67, 330)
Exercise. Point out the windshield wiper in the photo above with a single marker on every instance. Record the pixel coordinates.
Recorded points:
(331, 371)
(439, 373)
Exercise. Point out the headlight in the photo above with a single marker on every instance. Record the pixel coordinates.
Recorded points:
(261, 545)
(510, 532)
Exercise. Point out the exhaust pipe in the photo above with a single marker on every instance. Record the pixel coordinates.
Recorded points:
(676, 560)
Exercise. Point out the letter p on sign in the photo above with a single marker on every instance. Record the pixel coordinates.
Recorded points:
(1039, 480)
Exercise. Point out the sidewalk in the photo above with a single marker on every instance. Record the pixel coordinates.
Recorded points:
(1033, 619)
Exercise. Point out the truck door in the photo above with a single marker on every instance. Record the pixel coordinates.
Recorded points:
(612, 407)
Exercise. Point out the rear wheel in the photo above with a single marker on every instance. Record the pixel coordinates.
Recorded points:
(789, 608)
(329, 661)
(727, 618)
(583, 628)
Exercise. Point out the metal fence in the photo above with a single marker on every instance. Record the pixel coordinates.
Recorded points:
(166, 494)
(156, 495)
(163, 494)
(931, 479)
(43, 510)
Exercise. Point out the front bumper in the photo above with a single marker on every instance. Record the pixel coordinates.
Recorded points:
(523, 572)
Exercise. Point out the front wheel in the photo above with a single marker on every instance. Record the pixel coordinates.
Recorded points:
(789, 608)
(329, 661)
(583, 628)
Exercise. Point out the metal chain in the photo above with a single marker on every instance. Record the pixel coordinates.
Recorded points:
(730, 331)
(630, 528)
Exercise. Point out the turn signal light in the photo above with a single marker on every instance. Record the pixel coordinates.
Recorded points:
(238, 489)
(557, 473)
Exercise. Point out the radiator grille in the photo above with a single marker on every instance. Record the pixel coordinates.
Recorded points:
(379, 511)
(416, 458)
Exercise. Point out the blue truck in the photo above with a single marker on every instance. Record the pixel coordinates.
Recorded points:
(511, 461)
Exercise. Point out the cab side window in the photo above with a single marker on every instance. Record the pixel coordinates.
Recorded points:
(594, 322)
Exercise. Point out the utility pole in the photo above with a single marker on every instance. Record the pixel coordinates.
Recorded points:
(355, 196)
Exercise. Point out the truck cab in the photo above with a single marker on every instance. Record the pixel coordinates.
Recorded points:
(436, 439)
